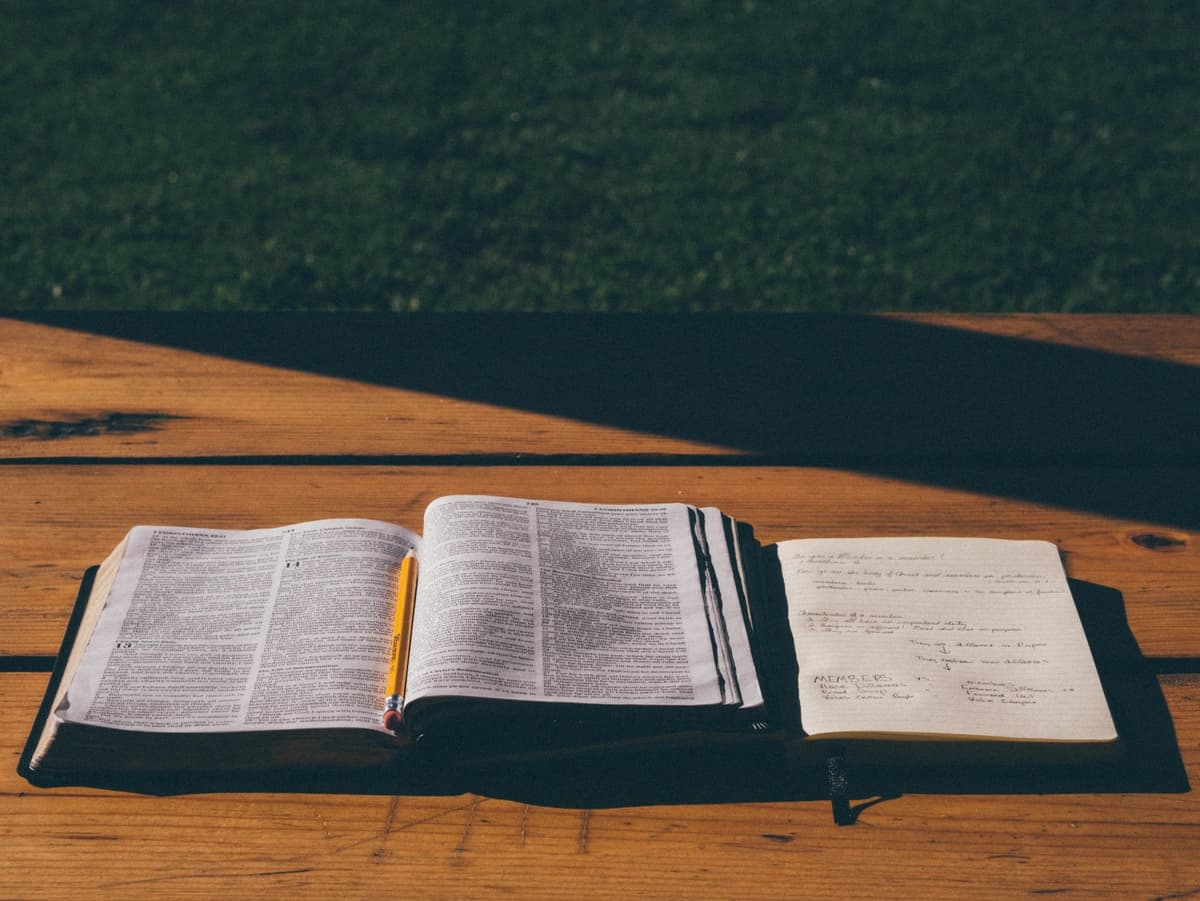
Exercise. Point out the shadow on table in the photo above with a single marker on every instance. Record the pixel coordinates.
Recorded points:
(927, 403)
(758, 770)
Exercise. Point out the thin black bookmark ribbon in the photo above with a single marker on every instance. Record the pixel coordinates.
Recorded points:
(839, 787)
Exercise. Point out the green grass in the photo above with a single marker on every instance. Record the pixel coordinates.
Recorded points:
(845, 155)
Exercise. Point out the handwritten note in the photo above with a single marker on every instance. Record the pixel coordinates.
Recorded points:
(953, 636)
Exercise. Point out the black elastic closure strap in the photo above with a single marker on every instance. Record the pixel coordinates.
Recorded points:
(839, 787)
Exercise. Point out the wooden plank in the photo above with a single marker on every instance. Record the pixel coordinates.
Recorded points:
(65, 392)
(818, 388)
(61, 519)
(78, 842)
(1126, 334)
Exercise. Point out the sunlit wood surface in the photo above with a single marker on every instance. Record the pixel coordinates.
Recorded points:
(100, 431)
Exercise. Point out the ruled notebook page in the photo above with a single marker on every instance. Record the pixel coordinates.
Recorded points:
(940, 637)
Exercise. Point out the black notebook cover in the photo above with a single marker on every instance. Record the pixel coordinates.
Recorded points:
(60, 664)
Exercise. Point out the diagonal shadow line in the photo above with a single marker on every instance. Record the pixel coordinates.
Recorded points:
(932, 404)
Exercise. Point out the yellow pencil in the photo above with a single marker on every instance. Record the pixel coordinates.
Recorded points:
(406, 592)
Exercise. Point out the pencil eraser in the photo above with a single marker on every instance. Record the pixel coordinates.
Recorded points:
(391, 720)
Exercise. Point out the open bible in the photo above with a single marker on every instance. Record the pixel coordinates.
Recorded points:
(543, 626)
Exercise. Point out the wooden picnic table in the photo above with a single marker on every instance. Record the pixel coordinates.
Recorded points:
(1082, 430)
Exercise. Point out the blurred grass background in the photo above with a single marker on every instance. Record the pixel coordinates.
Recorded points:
(985, 155)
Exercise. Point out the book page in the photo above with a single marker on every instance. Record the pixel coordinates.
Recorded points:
(208, 630)
(744, 674)
(949, 636)
(553, 601)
